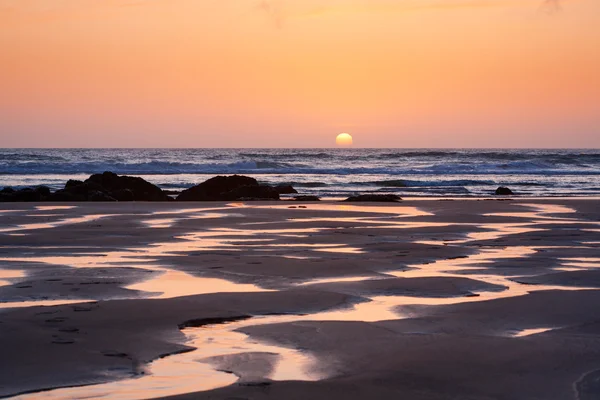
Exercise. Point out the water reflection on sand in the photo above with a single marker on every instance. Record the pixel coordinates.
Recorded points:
(39, 303)
(52, 224)
(399, 210)
(220, 347)
(9, 274)
(540, 211)
(53, 208)
(172, 283)
(529, 332)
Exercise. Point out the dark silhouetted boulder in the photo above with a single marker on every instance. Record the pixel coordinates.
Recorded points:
(44, 191)
(7, 194)
(109, 186)
(27, 194)
(503, 191)
(123, 195)
(142, 190)
(40, 193)
(387, 198)
(285, 189)
(217, 188)
(99, 196)
(78, 191)
(66, 196)
(307, 198)
(252, 193)
(99, 187)
(71, 183)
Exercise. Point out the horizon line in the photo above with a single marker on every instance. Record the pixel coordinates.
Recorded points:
(299, 148)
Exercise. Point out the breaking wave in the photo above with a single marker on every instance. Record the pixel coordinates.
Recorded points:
(322, 171)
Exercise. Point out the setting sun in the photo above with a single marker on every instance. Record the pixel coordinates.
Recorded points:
(343, 140)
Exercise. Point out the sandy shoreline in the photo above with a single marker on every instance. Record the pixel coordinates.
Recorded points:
(424, 299)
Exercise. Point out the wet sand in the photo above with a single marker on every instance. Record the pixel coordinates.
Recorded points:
(425, 299)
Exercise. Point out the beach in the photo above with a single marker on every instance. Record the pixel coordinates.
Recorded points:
(422, 299)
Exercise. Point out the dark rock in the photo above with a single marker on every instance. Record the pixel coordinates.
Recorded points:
(81, 191)
(109, 186)
(99, 196)
(84, 188)
(6, 195)
(26, 195)
(307, 198)
(123, 195)
(285, 189)
(72, 183)
(374, 198)
(503, 191)
(66, 196)
(217, 188)
(44, 191)
(252, 193)
(142, 190)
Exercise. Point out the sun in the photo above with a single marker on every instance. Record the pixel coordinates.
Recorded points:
(343, 140)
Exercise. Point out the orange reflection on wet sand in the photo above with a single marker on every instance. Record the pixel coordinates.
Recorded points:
(338, 279)
(188, 210)
(46, 225)
(549, 208)
(39, 303)
(9, 274)
(540, 211)
(171, 283)
(399, 210)
(529, 332)
(496, 231)
(88, 260)
(52, 208)
(217, 345)
(160, 223)
(343, 249)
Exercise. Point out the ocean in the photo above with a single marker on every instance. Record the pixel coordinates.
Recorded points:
(330, 173)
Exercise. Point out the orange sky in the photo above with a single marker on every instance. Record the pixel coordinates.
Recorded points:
(294, 73)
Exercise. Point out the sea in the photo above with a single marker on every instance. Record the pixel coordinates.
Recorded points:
(329, 173)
